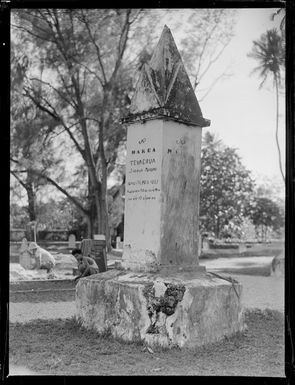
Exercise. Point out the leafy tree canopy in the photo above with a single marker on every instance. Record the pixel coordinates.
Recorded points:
(74, 72)
(265, 212)
(270, 54)
(226, 187)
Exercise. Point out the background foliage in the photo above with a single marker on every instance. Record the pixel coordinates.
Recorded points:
(73, 73)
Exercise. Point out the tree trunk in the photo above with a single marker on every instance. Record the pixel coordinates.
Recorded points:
(103, 203)
(92, 207)
(103, 220)
(31, 196)
(89, 227)
(217, 228)
(31, 203)
(93, 180)
(94, 187)
(277, 127)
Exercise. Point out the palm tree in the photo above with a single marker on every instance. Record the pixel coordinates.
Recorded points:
(269, 52)
(280, 12)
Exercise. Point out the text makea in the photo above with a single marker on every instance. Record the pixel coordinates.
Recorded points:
(143, 151)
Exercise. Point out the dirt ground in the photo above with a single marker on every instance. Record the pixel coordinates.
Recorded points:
(50, 338)
(51, 347)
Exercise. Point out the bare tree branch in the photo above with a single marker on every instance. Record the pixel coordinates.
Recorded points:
(18, 179)
(136, 16)
(62, 190)
(92, 73)
(58, 118)
(203, 49)
(216, 80)
(14, 160)
(55, 90)
(66, 86)
(84, 82)
(31, 33)
(122, 44)
(97, 48)
(216, 57)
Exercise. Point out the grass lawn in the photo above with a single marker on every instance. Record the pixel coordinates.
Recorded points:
(45, 291)
(61, 347)
(34, 296)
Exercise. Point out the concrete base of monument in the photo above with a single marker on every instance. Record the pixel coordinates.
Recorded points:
(184, 309)
(143, 260)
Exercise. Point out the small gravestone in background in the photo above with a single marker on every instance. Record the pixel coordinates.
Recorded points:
(278, 265)
(161, 295)
(118, 242)
(25, 259)
(98, 251)
(96, 248)
(72, 241)
(86, 246)
(24, 245)
(206, 244)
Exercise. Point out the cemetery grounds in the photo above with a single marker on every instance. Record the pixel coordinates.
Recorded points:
(45, 339)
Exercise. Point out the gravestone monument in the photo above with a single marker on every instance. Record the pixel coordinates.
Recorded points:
(161, 295)
(99, 251)
(96, 248)
(118, 242)
(72, 241)
(25, 257)
(163, 165)
(277, 268)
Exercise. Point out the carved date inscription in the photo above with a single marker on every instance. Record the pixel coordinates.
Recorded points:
(143, 182)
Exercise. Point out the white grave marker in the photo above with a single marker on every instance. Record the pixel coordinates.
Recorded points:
(163, 166)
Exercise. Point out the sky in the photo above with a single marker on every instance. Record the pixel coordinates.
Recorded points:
(241, 114)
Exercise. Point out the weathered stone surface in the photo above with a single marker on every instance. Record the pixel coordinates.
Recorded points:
(163, 165)
(164, 88)
(162, 296)
(26, 259)
(278, 265)
(162, 195)
(181, 169)
(180, 309)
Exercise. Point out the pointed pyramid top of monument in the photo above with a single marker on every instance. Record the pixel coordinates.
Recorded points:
(164, 89)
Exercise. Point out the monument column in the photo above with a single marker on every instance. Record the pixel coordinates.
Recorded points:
(161, 295)
(163, 166)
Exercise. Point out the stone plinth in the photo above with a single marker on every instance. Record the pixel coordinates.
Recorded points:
(184, 309)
